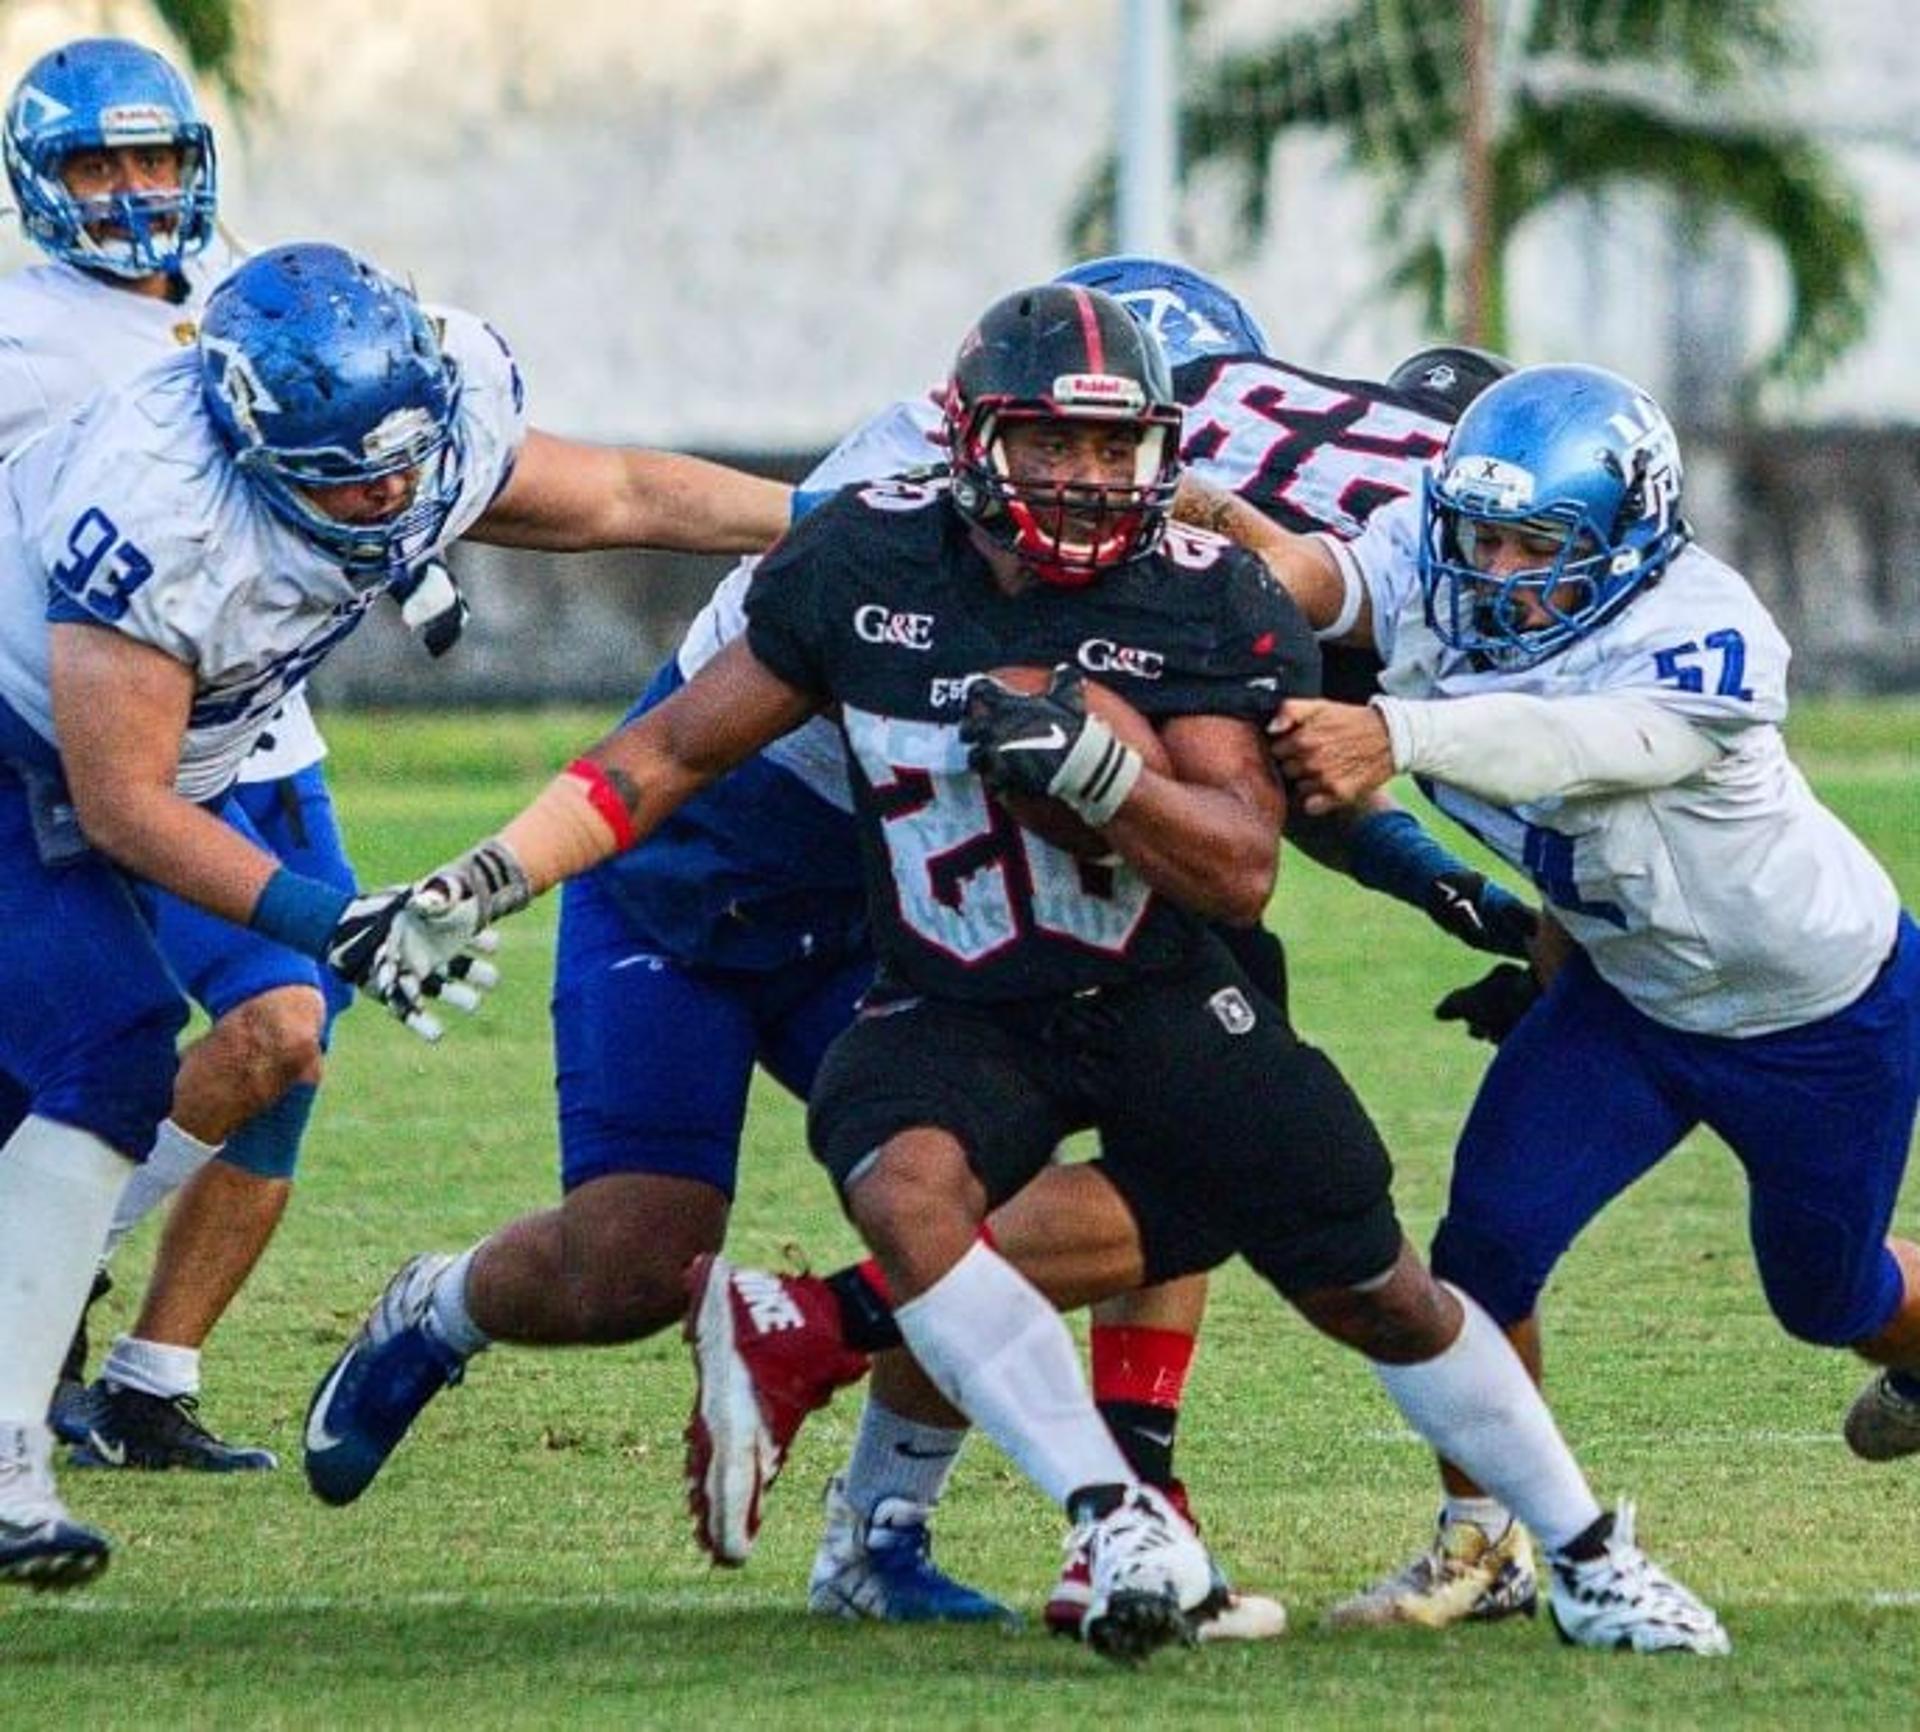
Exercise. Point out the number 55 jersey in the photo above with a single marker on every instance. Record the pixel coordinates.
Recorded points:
(878, 603)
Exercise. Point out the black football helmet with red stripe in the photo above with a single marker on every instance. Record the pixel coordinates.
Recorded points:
(1063, 351)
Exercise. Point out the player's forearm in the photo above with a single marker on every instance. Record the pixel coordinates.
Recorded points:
(1202, 847)
(156, 835)
(685, 503)
(1509, 747)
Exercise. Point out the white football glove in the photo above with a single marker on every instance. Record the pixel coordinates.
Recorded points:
(384, 945)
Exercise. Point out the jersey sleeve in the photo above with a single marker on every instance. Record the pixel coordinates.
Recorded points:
(1266, 646)
(493, 411)
(1385, 557)
(899, 438)
(785, 600)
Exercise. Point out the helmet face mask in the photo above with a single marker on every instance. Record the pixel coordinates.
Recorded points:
(1577, 470)
(106, 94)
(319, 372)
(1191, 314)
(1063, 360)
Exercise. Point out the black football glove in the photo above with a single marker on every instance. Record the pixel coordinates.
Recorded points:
(1472, 908)
(1493, 1005)
(1048, 743)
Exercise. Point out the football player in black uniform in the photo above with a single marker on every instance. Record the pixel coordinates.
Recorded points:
(1025, 993)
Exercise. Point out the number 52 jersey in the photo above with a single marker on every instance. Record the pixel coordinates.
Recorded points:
(878, 604)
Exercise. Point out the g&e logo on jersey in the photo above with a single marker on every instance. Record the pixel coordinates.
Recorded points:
(1101, 655)
(876, 624)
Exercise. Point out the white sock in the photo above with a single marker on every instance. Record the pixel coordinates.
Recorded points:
(1478, 1408)
(896, 1457)
(58, 1186)
(153, 1367)
(447, 1309)
(999, 1352)
(1488, 1514)
(174, 1158)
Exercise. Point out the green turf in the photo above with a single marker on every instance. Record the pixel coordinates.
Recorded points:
(525, 1559)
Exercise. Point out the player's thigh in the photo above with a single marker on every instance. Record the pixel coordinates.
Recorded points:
(89, 1020)
(803, 1011)
(966, 1071)
(1227, 1133)
(1822, 1120)
(651, 1059)
(1573, 1109)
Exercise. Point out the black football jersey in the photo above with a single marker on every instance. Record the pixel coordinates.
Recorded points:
(878, 604)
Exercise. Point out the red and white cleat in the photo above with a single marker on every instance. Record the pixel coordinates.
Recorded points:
(766, 1353)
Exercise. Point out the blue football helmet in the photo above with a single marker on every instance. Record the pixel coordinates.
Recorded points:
(1192, 315)
(317, 371)
(105, 93)
(1581, 458)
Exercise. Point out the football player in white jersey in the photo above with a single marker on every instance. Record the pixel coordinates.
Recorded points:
(113, 170)
(174, 559)
(1600, 699)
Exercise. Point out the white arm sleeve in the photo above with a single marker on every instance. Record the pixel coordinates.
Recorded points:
(1510, 748)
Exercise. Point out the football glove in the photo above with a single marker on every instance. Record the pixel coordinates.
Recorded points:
(379, 945)
(432, 607)
(1472, 908)
(1492, 1005)
(1048, 743)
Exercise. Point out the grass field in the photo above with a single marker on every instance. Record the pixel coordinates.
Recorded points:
(525, 1559)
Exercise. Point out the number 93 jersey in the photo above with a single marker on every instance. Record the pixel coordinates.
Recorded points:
(878, 604)
(1729, 903)
(130, 515)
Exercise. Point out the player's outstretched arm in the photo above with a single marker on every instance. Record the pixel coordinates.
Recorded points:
(565, 496)
(1305, 566)
(605, 801)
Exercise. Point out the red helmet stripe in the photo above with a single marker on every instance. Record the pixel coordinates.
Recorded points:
(1090, 329)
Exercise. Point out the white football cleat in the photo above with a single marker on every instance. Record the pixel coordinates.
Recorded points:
(1623, 1599)
(1149, 1577)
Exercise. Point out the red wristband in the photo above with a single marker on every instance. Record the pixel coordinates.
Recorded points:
(603, 798)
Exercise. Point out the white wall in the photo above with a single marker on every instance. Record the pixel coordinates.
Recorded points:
(747, 222)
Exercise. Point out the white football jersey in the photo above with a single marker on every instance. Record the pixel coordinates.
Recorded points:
(65, 334)
(905, 436)
(1730, 903)
(133, 511)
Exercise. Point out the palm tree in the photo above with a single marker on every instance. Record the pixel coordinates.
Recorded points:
(209, 32)
(1593, 94)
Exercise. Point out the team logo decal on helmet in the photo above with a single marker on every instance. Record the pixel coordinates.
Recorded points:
(320, 372)
(103, 93)
(1047, 354)
(1191, 314)
(1588, 467)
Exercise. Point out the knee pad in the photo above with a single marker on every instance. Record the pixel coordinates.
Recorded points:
(1502, 1279)
(268, 1144)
